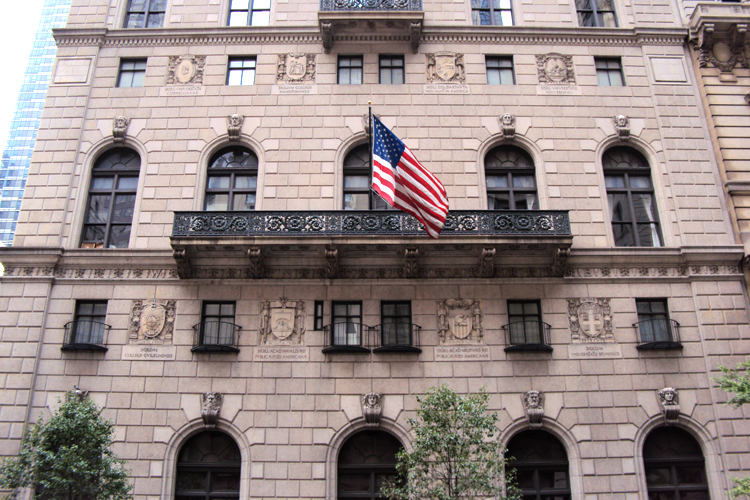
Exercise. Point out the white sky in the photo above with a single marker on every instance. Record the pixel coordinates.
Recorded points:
(17, 28)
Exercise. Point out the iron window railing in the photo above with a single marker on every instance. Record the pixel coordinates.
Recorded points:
(397, 337)
(360, 5)
(347, 336)
(658, 333)
(527, 336)
(85, 335)
(216, 336)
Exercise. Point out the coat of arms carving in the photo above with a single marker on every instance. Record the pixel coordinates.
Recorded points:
(590, 320)
(460, 322)
(555, 69)
(296, 68)
(445, 67)
(282, 322)
(152, 321)
(184, 70)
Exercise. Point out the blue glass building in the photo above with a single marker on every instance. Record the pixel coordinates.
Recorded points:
(16, 158)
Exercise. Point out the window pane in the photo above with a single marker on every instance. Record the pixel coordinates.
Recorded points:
(98, 209)
(638, 182)
(93, 233)
(220, 182)
(498, 201)
(523, 181)
(623, 235)
(238, 19)
(217, 202)
(240, 5)
(507, 18)
(496, 181)
(244, 202)
(155, 20)
(261, 18)
(354, 482)
(212, 309)
(222, 481)
(619, 209)
(245, 182)
(356, 181)
(123, 208)
(644, 209)
(119, 237)
(127, 183)
(261, 4)
(102, 183)
(615, 181)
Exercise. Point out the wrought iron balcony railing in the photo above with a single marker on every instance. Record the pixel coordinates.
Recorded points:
(527, 336)
(359, 5)
(347, 337)
(85, 335)
(659, 333)
(396, 337)
(215, 336)
(368, 222)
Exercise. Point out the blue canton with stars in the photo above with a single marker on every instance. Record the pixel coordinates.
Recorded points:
(385, 144)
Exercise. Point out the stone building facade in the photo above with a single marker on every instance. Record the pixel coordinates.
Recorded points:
(198, 250)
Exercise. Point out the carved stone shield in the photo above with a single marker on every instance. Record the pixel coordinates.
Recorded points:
(591, 319)
(153, 319)
(445, 66)
(296, 66)
(461, 325)
(282, 322)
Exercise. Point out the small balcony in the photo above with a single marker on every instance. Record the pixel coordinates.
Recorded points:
(396, 337)
(658, 334)
(215, 336)
(527, 336)
(347, 337)
(84, 335)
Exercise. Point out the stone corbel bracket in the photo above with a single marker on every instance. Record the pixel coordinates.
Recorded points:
(415, 34)
(508, 126)
(256, 262)
(622, 126)
(670, 404)
(411, 266)
(560, 262)
(372, 408)
(183, 263)
(487, 265)
(533, 402)
(234, 126)
(332, 262)
(326, 32)
(211, 408)
(120, 128)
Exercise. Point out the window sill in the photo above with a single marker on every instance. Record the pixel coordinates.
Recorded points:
(659, 345)
(83, 347)
(398, 348)
(356, 349)
(215, 348)
(529, 347)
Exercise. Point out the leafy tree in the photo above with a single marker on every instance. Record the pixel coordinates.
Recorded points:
(455, 454)
(68, 457)
(737, 381)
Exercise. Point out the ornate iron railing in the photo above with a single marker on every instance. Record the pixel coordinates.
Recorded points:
(396, 337)
(658, 333)
(384, 5)
(85, 335)
(527, 336)
(215, 336)
(368, 222)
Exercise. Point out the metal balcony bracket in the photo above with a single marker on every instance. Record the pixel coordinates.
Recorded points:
(332, 262)
(487, 264)
(256, 262)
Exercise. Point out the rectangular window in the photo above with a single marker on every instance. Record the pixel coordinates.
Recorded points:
(396, 329)
(492, 12)
(132, 73)
(250, 13)
(318, 325)
(241, 71)
(145, 13)
(609, 72)
(346, 320)
(596, 13)
(391, 70)
(653, 320)
(217, 327)
(500, 70)
(525, 322)
(88, 325)
(350, 70)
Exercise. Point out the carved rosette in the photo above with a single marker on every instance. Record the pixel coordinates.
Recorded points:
(590, 320)
(670, 404)
(508, 126)
(185, 70)
(282, 322)
(152, 321)
(445, 67)
(622, 126)
(211, 408)
(460, 322)
(234, 126)
(372, 408)
(120, 128)
(555, 69)
(295, 68)
(533, 402)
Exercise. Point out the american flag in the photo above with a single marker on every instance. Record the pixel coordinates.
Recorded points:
(404, 183)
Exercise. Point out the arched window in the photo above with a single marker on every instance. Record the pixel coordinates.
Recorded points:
(510, 178)
(630, 193)
(541, 465)
(232, 180)
(208, 467)
(366, 460)
(357, 193)
(674, 465)
(111, 199)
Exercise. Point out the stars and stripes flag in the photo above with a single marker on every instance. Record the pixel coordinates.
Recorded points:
(399, 178)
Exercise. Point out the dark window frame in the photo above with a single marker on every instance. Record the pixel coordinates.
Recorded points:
(318, 315)
(397, 331)
(357, 167)
(655, 328)
(690, 460)
(247, 168)
(347, 317)
(499, 67)
(496, 166)
(609, 70)
(591, 15)
(393, 67)
(153, 13)
(346, 67)
(548, 464)
(210, 469)
(345, 469)
(244, 69)
(88, 330)
(492, 11)
(132, 72)
(254, 7)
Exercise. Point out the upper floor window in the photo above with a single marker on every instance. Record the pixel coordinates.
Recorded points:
(596, 13)
(87, 331)
(217, 330)
(609, 71)
(489, 12)
(541, 464)
(397, 332)
(145, 13)
(655, 329)
(111, 199)
(525, 329)
(350, 70)
(250, 13)
(674, 464)
(241, 71)
(132, 73)
(232, 180)
(500, 70)
(357, 193)
(391, 70)
(510, 178)
(630, 194)
(346, 320)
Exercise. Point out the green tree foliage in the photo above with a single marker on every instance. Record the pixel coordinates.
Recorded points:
(455, 453)
(737, 381)
(68, 457)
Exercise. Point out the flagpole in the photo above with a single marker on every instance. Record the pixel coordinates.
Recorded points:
(369, 143)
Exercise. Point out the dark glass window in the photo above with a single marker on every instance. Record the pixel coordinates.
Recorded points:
(396, 323)
(350, 70)
(365, 462)
(318, 323)
(525, 322)
(145, 13)
(89, 322)
(596, 13)
(510, 178)
(609, 72)
(250, 13)
(132, 73)
(541, 465)
(111, 200)
(218, 323)
(357, 193)
(392, 70)
(632, 207)
(208, 467)
(232, 180)
(241, 71)
(674, 466)
(653, 320)
(347, 323)
(500, 70)
(489, 12)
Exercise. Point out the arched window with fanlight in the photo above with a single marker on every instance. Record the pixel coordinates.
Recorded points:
(366, 460)
(208, 467)
(541, 465)
(674, 465)
(630, 195)
(511, 179)
(111, 199)
(232, 180)
(357, 193)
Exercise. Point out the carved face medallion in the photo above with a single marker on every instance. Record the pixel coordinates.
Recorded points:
(555, 69)
(185, 71)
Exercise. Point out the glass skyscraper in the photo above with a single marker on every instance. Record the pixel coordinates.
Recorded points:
(14, 165)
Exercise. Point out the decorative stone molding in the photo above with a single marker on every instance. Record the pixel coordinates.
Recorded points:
(411, 266)
(720, 46)
(185, 70)
(211, 408)
(120, 128)
(366, 122)
(256, 262)
(555, 69)
(234, 126)
(670, 404)
(487, 264)
(590, 320)
(295, 68)
(622, 126)
(282, 322)
(372, 408)
(747, 98)
(445, 67)
(533, 401)
(460, 322)
(152, 321)
(415, 35)
(508, 126)
(561, 261)
(332, 262)
(326, 33)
